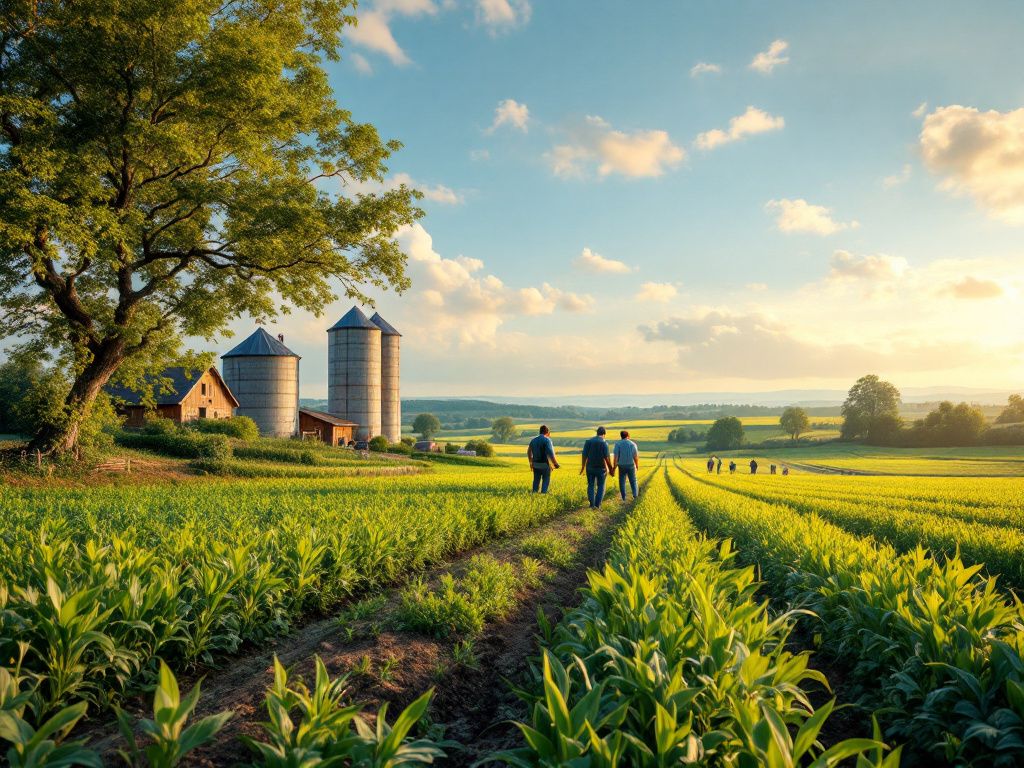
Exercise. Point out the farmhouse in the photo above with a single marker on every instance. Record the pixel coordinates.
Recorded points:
(323, 426)
(185, 395)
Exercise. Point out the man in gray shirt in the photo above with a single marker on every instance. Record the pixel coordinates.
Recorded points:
(627, 462)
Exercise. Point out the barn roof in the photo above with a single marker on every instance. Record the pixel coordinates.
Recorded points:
(260, 344)
(181, 382)
(386, 328)
(354, 318)
(328, 418)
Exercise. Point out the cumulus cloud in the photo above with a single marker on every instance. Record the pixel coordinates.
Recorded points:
(436, 193)
(373, 33)
(704, 68)
(589, 261)
(800, 216)
(511, 113)
(874, 268)
(897, 179)
(636, 154)
(502, 15)
(980, 155)
(766, 61)
(751, 122)
(362, 64)
(657, 293)
(755, 346)
(974, 288)
(460, 303)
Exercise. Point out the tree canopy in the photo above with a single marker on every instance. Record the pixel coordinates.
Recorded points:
(871, 410)
(503, 430)
(167, 166)
(949, 425)
(794, 421)
(725, 434)
(1013, 413)
(426, 425)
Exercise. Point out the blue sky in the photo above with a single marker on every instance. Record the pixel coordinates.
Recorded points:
(839, 189)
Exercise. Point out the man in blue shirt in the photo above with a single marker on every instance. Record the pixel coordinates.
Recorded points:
(627, 462)
(597, 463)
(541, 455)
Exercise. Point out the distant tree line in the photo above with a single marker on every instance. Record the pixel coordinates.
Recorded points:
(687, 435)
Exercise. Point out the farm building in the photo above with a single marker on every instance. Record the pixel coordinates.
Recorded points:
(179, 394)
(264, 374)
(325, 427)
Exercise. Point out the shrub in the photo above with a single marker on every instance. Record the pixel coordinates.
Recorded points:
(451, 448)
(400, 448)
(482, 447)
(183, 443)
(379, 444)
(158, 425)
(239, 427)
(410, 441)
(270, 453)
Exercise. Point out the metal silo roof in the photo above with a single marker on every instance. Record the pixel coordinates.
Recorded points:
(354, 318)
(385, 327)
(260, 344)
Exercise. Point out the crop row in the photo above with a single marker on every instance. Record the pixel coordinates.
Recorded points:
(995, 547)
(670, 659)
(98, 592)
(938, 647)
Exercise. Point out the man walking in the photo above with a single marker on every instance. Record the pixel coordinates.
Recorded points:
(718, 465)
(711, 464)
(627, 462)
(541, 455)
(597, 464)
(753, 466)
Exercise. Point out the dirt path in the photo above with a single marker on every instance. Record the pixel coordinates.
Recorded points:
(389, 664)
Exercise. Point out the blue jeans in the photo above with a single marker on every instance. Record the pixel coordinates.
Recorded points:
(541, 478)
(595, 486)
(627, 472)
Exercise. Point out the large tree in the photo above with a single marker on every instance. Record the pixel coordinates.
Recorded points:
(503, 429)
(871, 409)
(726, 434)
(794, 421)
(426, 425)
(169, 165)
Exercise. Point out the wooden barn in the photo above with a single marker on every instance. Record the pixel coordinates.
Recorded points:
(323, 426)
(191, 394)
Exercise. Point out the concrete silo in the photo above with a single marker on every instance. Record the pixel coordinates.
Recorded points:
(263, 374)
(390, 368)
(353, 372)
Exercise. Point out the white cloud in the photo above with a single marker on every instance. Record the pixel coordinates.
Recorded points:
(373, 33)
(920, 110)
(637, 154)
(511, 113)
(766, 61)
(546, 299)
(800, 216)
(479, 155)
(362, 64)
(436, 193)
(589, 261)
(875, 268)
(973, 288)
(756, 287)
(978, 154)
(657, 293)
(704, 68)
(897, 179)
(751, 122)
(502, 15)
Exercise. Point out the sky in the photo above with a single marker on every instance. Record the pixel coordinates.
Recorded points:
(667, 197)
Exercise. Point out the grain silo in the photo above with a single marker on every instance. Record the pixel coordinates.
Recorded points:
(264, 376)
(353, 372)
(390, 398)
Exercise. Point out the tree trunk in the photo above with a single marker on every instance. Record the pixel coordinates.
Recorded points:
(63, 438)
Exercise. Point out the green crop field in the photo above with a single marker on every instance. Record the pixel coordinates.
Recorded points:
(379, 578)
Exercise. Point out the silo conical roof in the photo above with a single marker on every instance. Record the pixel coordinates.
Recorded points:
(354, 318)
(260, 344)
(385, 327)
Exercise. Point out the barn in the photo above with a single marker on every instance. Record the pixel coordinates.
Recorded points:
(185, 395)
(323, 426)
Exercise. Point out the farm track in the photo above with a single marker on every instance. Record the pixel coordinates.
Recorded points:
(471, 703)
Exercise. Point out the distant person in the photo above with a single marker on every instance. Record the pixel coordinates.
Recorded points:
(773, 469)
(541, 455)
(753, 466)
(732, 467)
(711, 464)
(718, 465)
(627, 462)
(785, 470)
(597, 463)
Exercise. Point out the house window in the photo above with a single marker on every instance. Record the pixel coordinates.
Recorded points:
(203, 388)
(202, 413)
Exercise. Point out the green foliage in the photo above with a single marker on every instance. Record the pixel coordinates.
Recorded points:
(482, 448)
(550, 547)
(1013, 413)
(503, 430)
(686, 435)
(238, 427)
(948, 424)
(871, 411)
(401, 449)
(169, 739)
(726, 434)
(183, 443)
(214, 204)
(379, 444)
(794, 421)
(451, 448)
(426, 425)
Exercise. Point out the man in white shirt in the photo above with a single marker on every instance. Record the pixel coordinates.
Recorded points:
(627, 461)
